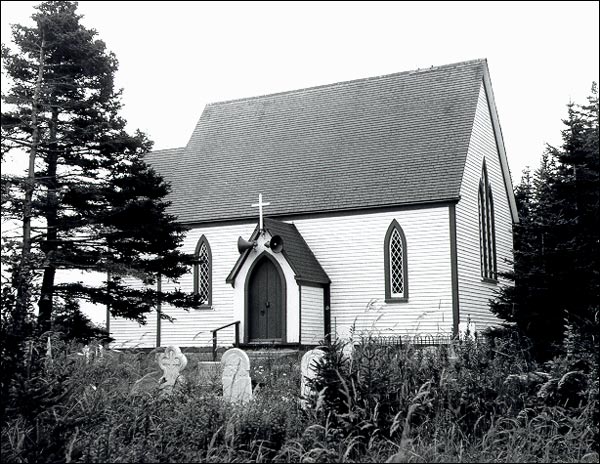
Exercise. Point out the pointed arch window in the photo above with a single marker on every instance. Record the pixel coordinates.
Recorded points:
(203, 272)
(487, 229)
(396, 276)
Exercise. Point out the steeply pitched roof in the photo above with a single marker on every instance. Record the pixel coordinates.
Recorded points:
(383, 141)
(301, 259)
(165, 162)
(297, 252)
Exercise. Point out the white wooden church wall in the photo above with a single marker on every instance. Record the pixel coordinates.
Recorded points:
(474, 293)
(130, 334)
(192, 327)
(292, 292)
(312, 315)
(350, 249)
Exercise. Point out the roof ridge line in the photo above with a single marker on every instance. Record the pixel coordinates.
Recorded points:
(352, 81)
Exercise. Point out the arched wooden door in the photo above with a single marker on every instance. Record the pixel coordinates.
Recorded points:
(266, 302)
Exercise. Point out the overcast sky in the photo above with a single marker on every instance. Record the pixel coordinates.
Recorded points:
(176, 57)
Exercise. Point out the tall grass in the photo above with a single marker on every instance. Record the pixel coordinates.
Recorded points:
(473, 403)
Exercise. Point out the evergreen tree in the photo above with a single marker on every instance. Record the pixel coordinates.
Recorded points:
(89, 202)
(556, 244)
(578, 192)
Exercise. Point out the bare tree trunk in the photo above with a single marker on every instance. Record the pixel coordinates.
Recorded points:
(24, 272)
(50, 245)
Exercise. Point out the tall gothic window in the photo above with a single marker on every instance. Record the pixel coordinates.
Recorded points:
(203, 272)
(487, 228)
(396, 277)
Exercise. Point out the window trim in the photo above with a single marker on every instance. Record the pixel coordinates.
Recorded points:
(487, 229)
(389, 298)
(196, 272)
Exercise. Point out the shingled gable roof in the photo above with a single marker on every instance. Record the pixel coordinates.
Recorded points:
(392, 140)
(297, 253)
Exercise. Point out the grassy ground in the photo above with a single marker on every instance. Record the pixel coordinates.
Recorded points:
(484, 403)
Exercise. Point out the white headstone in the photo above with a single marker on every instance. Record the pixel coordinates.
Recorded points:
(237, 385)
(348, 350)
(308, 371)
(49, 360)
(172, 362)
(85, 351)
(467, 330)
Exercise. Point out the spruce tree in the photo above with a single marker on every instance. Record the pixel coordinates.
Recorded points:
(556, 244)
(89, 202)
(578, 192)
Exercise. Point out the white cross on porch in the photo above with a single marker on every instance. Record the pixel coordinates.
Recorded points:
(260, 205)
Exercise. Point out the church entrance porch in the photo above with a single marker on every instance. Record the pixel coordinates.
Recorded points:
(281, 292)
(265, 304)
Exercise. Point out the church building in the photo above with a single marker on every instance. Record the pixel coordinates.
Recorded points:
(381, 205)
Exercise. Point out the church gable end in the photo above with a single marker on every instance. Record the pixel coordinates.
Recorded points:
(484, 216)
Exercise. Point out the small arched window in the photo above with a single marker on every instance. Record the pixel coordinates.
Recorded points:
(396, 276)
(203, 272)
(487, 228)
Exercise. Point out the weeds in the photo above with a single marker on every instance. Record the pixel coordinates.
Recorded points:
(471, 403)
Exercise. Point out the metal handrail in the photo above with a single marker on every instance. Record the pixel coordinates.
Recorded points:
(214, 336)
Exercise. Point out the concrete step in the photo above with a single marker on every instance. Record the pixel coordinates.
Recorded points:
(272, 353)
(253, 352)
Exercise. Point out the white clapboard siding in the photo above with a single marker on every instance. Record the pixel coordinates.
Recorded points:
(351, 250)
(312, 315)
(131, 334)
(474, 293)
(192, 327)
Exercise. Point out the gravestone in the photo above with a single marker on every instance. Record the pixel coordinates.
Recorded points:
(85, 352)
(237, 386)
(172, 362)
(467, 330)
(348, 350)
(308, 371)
(49, 359)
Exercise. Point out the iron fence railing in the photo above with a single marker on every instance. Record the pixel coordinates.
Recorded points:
(425, 339)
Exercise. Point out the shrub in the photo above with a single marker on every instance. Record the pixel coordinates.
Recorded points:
(471, 402)
(464, 394)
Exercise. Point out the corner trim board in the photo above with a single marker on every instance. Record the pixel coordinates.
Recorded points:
(158, 310)
(327, 313)
(454, 269)
(108, 306)
(299, 314)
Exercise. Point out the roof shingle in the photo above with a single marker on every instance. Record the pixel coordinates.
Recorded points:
(384, 141)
